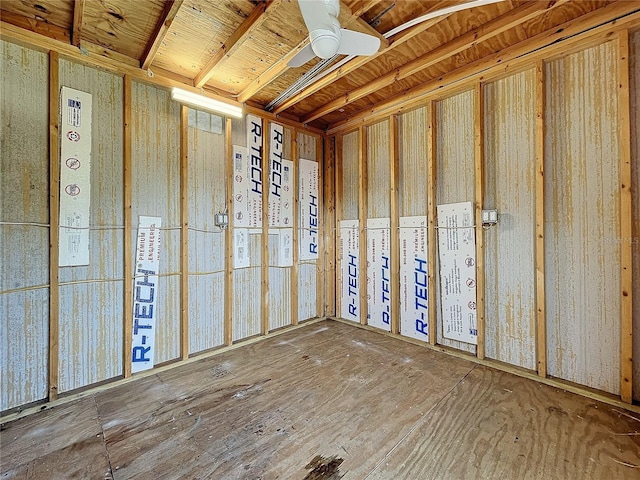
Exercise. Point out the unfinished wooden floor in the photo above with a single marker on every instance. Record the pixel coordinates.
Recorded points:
(326, 401)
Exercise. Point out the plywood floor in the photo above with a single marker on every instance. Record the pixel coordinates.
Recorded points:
(326, 401)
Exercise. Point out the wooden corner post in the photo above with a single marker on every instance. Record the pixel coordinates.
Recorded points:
(431, 219)
(54, 221)
(228, 238)
(296, 222)
(479, 178)
(329, 228)
(541, 319)
(626, 221)
(339, 189)
(362, 214)
(128, 231)
(395, 224)
(320, 262)
(266, 164)
(184, 232)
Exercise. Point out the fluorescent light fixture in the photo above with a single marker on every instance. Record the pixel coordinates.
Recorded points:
(206, 103)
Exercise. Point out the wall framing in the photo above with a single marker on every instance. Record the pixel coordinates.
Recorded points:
(615, 32)
(327, 268)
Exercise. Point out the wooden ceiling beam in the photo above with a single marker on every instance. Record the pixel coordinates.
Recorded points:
(32, 39)
(256, 18)
(167, 16)
(76, 29)
(598, 24)
(269, 75)
(282, 66)
(363, 6)
(60, 34)
(395, 41)
(484, 32)
(36, 26)
(97, 58)
(384, 43)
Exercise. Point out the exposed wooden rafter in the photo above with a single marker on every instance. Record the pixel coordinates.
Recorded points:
(619, 13)
(271, 74)
(484, 32)
(363, 6)
(78, 13)
(256, 18)
(47, 32)
(357, 62)
(9, 31)
(36, 26)
(281, 66)
(169, 12)
(384, 43)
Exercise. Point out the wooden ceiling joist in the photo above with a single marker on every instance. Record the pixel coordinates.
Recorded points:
(36, 26)
(17, 34)
(105, 38)
(621, 14)
(281, 66)
(484, 32)
(256, 18)
(169, 12)
(76, 31)
(363, 6)
(271, 74)
(358, 62)
(384, 43)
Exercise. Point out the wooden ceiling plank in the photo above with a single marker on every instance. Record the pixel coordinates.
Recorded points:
(269, 75)
(282, 66)
(348, 19)
(59, 34)
(89, 48)
(76, 30)
(21, 36)
(253, 21)
(167, 16)
(36, 26)
(16, 34)
(363, 6)
(600, 23)
(358, 62)
(488, 30)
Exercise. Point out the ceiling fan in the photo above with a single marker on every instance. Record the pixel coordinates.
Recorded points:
(326, 36)
(328, 39)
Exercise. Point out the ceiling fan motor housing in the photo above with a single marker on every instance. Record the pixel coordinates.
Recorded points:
(333, 7)
(325, 42)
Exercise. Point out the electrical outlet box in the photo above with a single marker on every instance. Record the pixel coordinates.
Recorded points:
(221, 220)
(489, 217)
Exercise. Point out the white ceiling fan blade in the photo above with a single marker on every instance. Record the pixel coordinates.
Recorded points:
(302, 57)
(356, 43)
(315, 14)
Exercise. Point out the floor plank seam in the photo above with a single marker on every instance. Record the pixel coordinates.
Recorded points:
(104, 442)
(419, 422)
(352, 401)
